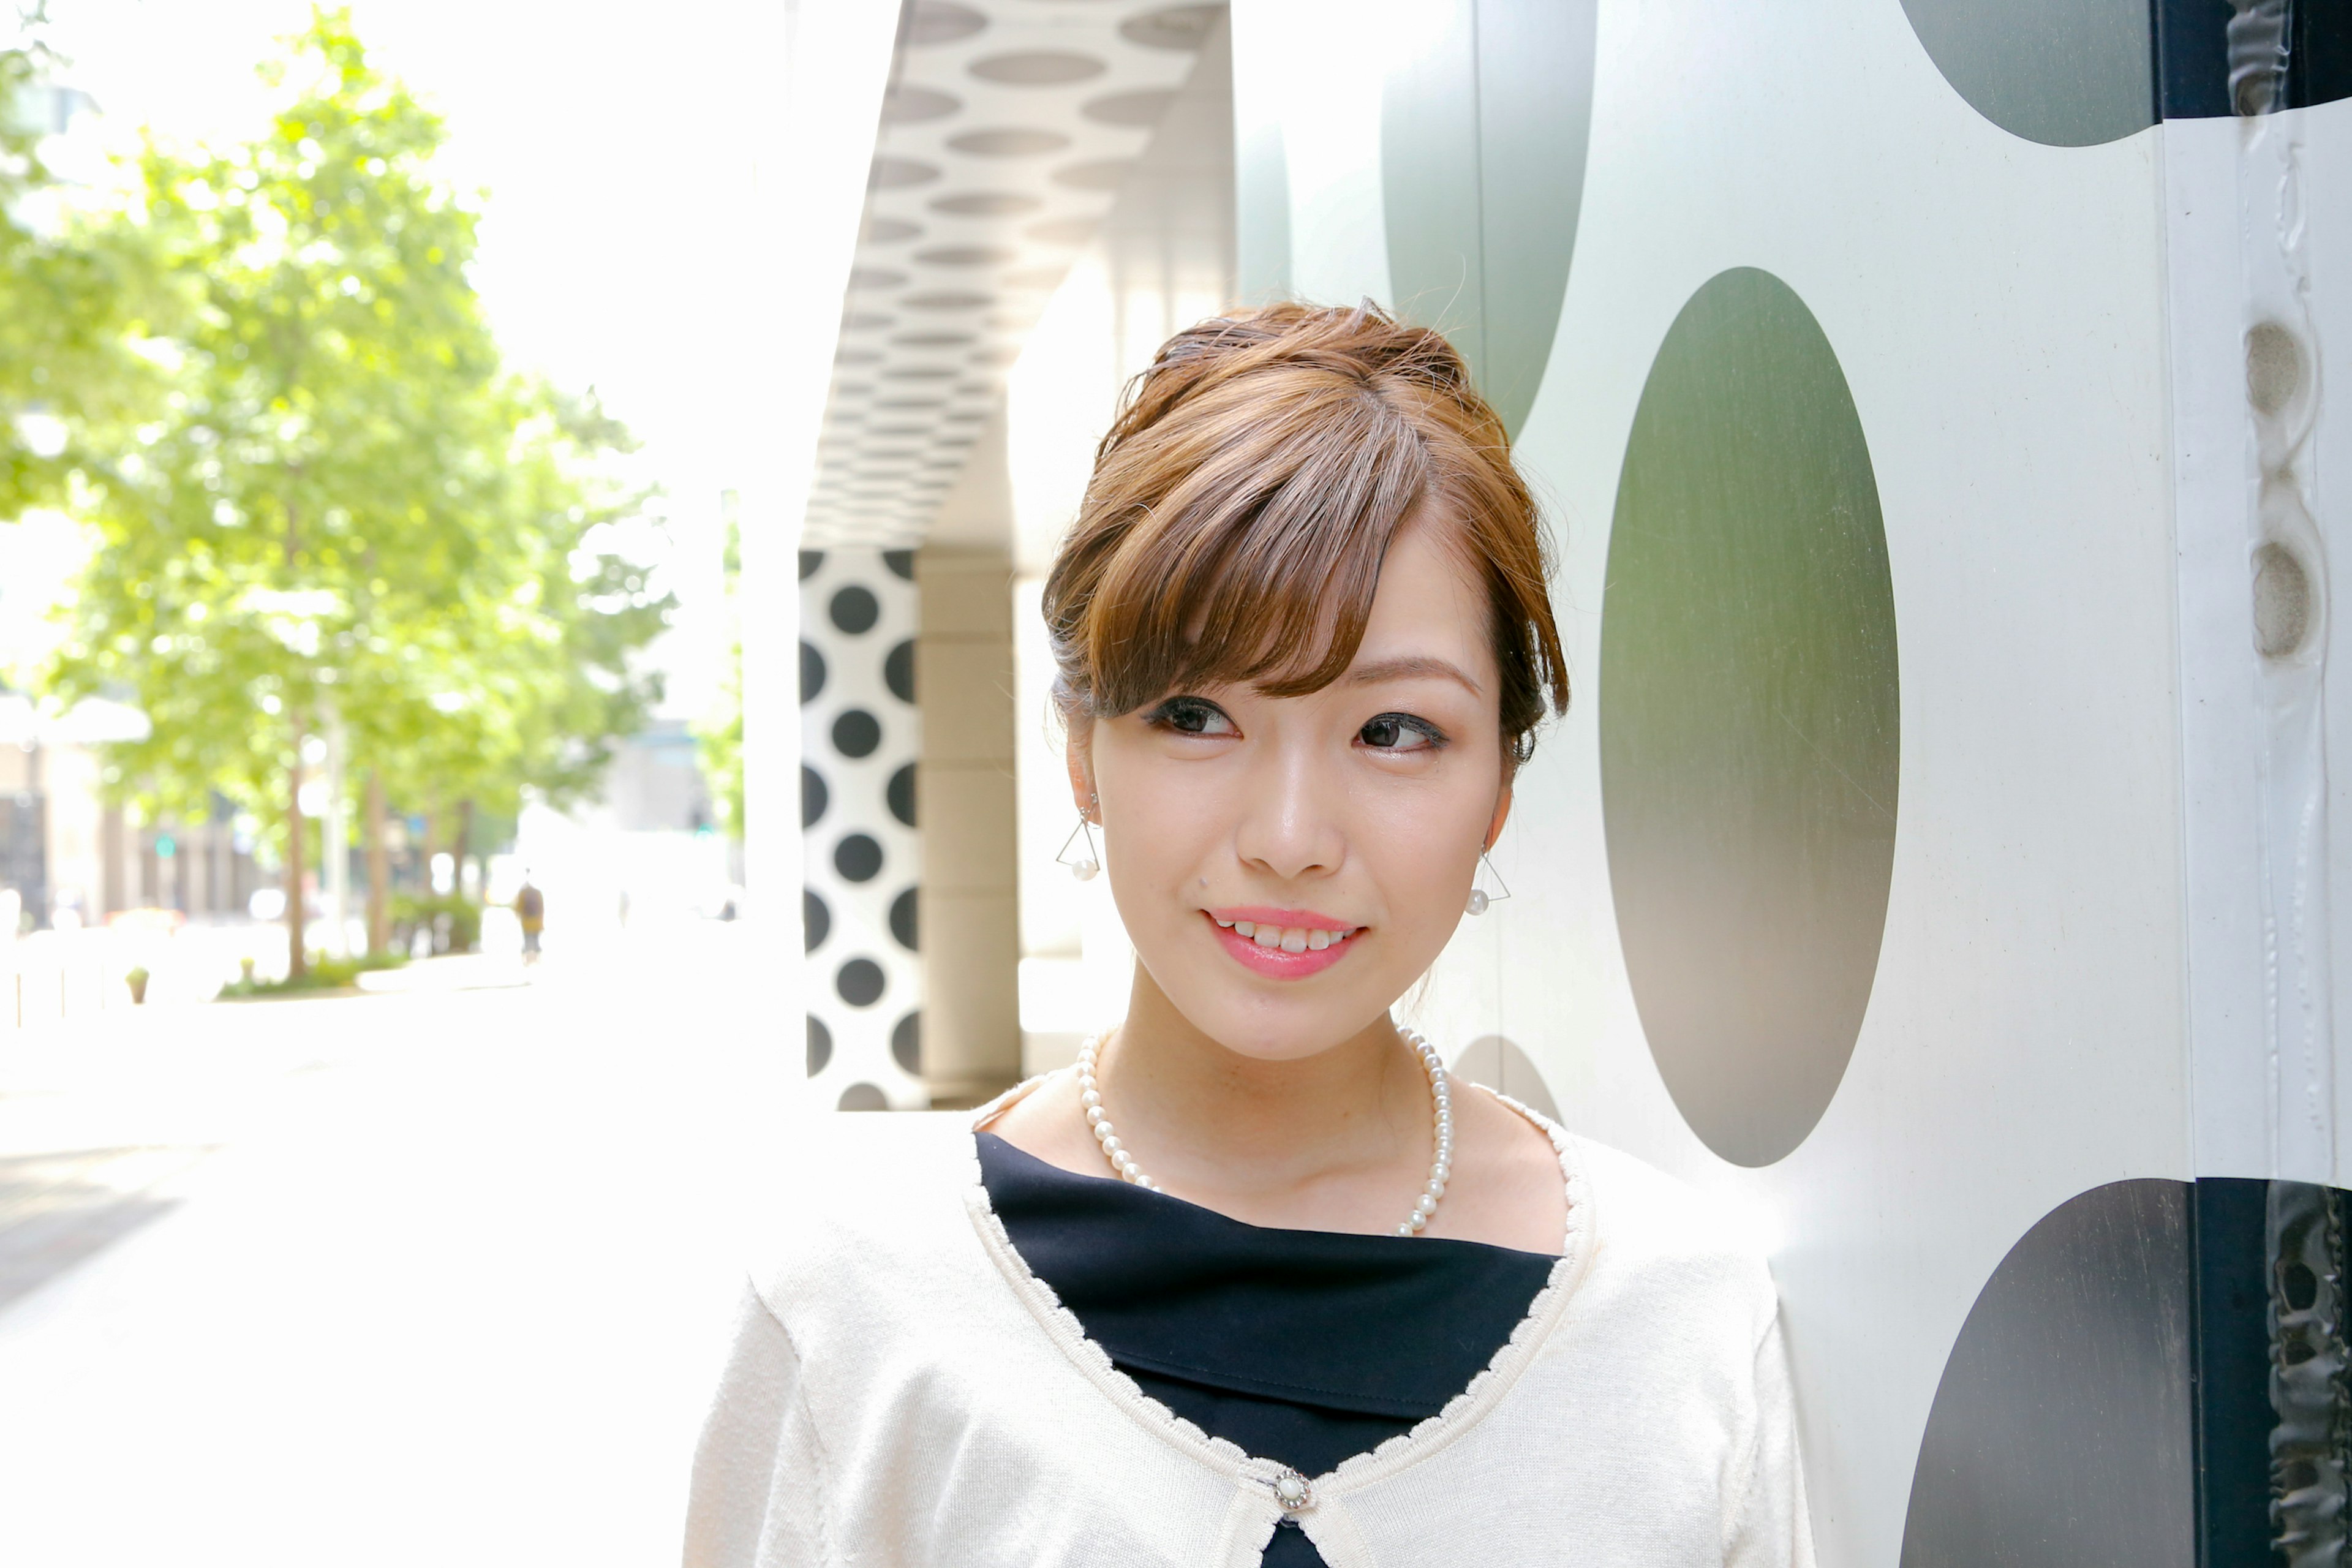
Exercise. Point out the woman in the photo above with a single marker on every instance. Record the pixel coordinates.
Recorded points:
(1257, 1281)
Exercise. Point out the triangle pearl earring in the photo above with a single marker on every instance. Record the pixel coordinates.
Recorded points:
(1479, 897)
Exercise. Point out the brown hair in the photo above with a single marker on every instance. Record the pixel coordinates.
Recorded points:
(1244, 499)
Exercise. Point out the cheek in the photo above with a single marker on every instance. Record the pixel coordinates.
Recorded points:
(1162, 818)
(1421, 845)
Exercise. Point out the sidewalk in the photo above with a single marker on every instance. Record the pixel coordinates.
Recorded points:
(440, 1277)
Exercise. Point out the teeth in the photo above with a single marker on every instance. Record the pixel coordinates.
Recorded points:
(1290, 939)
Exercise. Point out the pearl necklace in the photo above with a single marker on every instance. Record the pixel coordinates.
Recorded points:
(1441, 1169)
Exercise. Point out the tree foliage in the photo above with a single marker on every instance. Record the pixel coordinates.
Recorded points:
(339, 509)
(73, 296)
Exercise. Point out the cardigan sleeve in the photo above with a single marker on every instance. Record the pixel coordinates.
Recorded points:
(1771, 1527)
(757, 1498)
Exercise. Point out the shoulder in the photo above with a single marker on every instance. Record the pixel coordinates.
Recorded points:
(857, 1202)
(1653, 1235)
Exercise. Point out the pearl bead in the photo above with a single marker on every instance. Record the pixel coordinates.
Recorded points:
(1440, 1097)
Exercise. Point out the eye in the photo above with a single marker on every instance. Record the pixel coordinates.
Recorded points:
(1192, 716)
(1400, 732)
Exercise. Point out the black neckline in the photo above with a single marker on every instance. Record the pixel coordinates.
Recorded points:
(1382, 1325)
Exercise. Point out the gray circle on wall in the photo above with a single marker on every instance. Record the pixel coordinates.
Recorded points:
(859, 982)
(815, 796)
(855, 609)
(859, 858)
(1750, 717)
(2065, 73)
(2060, 1435)
(1483, 141)
(899, 792)
(856, 733)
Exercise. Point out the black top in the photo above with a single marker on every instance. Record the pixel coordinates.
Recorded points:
(1302, 1346)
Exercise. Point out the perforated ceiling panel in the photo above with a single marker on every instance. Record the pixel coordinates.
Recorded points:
(1007, 130)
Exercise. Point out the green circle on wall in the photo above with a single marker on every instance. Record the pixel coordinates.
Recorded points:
(1750, 717)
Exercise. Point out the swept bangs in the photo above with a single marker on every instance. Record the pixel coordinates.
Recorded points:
(1243, 505)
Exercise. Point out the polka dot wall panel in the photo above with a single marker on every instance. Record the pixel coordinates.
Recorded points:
(1947, 861)
(861, 855)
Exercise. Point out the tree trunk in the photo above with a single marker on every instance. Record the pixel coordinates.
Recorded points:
(297, 962)
(378, 868)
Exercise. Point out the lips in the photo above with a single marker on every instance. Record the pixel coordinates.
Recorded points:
(1286, 945)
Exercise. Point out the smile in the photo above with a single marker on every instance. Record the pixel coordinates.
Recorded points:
(1288, 944)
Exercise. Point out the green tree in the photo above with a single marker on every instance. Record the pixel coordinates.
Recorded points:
(73, 294)
(343, 514)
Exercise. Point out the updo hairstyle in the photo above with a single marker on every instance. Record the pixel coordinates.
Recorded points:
(1246, 497)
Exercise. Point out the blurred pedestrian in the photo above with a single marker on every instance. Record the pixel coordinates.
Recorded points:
(531, 908)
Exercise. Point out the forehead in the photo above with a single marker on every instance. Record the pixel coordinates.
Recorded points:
(1428, 602)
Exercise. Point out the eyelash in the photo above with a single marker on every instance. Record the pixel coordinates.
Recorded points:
(1422, 727)
(1167, 714)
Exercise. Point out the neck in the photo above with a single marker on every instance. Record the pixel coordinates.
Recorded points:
(1211, 1119)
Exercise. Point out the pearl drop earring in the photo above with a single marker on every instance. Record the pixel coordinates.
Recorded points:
(1479, 897)
(1087, 863)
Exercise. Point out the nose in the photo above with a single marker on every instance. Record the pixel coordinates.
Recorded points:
(1290, 825)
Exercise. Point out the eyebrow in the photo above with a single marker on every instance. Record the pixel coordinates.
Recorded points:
(1408, 669)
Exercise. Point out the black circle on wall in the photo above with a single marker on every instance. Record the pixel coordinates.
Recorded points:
(2065, 76)
(2060, 1433)
(903, 915)
(820, 1045)
(859, 858)
(857, 732)
(812, 672)
(815, 796)
(1750, 721)
(816, 921)
(898, 670)
(859, 982)
(907, 1042)
(901, 563)
(900, 793)
(855, 609)
(810, 560)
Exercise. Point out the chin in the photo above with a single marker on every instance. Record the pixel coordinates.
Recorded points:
(1273, 1028)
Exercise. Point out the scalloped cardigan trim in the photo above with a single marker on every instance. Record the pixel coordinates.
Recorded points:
(1638, 1414)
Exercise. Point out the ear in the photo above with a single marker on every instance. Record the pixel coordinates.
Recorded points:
(1078, 752)
(1501, 814)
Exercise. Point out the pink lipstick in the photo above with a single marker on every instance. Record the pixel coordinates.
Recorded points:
(1283, 943)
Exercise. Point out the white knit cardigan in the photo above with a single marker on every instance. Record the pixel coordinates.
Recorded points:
(903, 1391)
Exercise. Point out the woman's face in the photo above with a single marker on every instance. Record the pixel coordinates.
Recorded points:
(1288, 865)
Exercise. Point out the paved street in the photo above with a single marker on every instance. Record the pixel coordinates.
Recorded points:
(433, 1277)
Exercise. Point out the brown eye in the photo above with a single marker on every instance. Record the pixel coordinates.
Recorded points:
(1192, 716)
(1400, 733)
